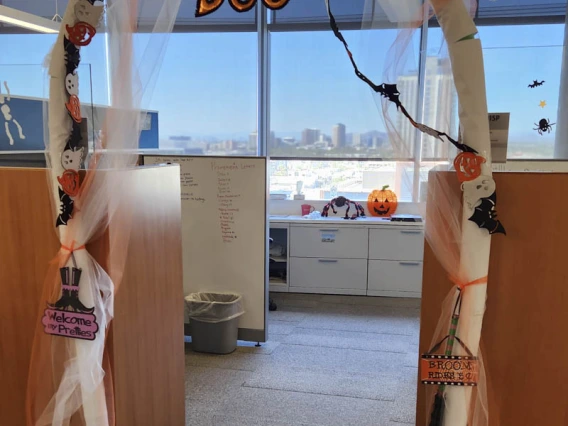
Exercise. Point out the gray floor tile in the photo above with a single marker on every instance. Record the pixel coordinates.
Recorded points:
(397, 325)
(289, 315)
(280, 327)
(209, 384)
(352, 340)
(306, 380)
(340, 360)
(220, 420)
(235, 361)
(301, 408)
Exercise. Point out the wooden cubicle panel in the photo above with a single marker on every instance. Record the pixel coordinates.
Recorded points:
(524, 329)
(146, 337)
(27, 244)
(147, 332)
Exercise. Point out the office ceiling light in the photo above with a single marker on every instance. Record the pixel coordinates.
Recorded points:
(29, 21)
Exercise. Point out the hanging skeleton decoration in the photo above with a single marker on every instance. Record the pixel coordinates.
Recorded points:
(341, 202)
(8, 117)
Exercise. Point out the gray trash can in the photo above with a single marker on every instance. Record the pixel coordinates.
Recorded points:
(214, 321)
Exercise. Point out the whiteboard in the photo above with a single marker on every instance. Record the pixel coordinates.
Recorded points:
(224, 230)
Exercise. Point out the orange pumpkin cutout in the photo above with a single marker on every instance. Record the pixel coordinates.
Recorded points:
(382, 202)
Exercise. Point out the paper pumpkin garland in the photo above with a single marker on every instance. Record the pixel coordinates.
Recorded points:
(468, 166)
(382, 202)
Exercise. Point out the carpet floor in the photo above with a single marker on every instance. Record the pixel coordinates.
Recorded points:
(329, 361)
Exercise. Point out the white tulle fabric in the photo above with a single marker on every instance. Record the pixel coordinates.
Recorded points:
(132, 79)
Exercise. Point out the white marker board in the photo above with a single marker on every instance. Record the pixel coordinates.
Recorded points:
(224, 231)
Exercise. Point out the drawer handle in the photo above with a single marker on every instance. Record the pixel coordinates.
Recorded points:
(409, 263)
(327, 260)
(329, 230)
(411, 232)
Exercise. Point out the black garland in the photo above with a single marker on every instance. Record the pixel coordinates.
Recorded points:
(390, 91)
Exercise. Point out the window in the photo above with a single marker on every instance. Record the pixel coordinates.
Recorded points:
(514, 56)
(206, 94)
(327, 128)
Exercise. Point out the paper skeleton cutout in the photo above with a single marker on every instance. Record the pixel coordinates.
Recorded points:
(8, 118)
(71, 159)
(485, 215)
(476, 189)
(72, 84)
(544, 125)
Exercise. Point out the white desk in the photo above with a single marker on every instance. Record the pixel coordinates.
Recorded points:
(367, 256)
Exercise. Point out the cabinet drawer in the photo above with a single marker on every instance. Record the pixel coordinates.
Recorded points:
(395, 276)
(329, 242)
(328, 273)
(396, 244)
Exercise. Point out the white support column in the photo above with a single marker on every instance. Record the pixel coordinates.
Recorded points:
(561, 141)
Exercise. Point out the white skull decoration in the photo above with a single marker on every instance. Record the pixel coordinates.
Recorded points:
(72, 84)
(71, 159)
(478, 188)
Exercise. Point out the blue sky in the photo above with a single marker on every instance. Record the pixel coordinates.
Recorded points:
(207, 85)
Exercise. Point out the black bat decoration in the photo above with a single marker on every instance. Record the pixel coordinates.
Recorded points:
(66, 208)
(485, 215)
(72, 56)
(536, 83)
(390, 91)
(75, 140)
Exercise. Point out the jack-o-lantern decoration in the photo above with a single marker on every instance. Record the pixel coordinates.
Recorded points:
(69, 182)
(382, 202)
(468, 166)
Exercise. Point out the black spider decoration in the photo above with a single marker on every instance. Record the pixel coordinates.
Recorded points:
(544, 125)
(69, 299)
(536, 83)
(340, 202)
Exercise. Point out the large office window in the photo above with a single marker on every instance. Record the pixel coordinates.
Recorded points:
(326, 127)
(206, 94)
(322, 117)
